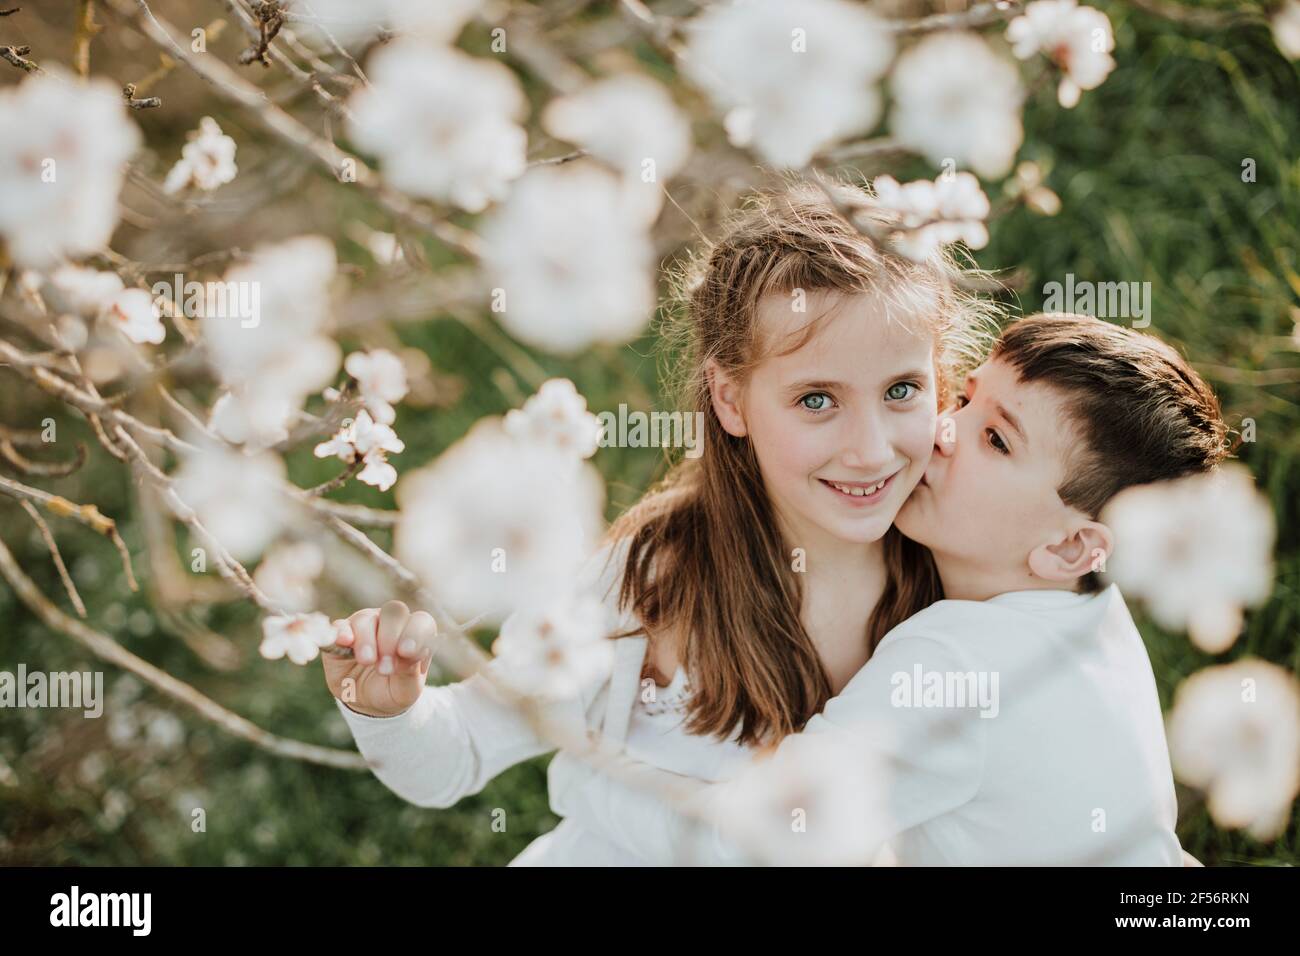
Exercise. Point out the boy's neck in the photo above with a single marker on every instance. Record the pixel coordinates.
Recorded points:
(967, 582)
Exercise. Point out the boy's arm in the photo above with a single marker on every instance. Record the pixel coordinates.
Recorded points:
(923, 761)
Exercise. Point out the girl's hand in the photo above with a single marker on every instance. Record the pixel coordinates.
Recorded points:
(391, 650)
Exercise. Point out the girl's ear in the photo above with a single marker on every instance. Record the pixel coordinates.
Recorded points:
(1084, 549)
(726, 393)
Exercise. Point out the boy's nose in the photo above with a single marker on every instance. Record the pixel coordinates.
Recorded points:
(945, 433)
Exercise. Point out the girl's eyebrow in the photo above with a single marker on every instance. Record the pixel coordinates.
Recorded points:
(812, 384)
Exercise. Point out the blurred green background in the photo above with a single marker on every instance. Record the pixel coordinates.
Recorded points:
(1149, 169)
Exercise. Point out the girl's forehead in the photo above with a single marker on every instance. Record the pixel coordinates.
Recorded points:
(833, 328)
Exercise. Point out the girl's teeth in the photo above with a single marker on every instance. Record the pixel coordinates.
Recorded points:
(859, 492)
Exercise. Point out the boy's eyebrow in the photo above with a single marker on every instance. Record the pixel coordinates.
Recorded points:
(1011, 420)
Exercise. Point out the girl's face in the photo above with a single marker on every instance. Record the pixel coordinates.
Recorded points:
(843, 427)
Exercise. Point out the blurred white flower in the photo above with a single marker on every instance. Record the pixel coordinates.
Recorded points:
(955, 99)
(235, 496)
(272, 360)
(1234, 732)
(85, 291)
(822, 802)
(350, 22)
(555, 649)
(135, 313)
(382, 378)
(384, 248)
(164, 731)
(934, 214)
(298, 636)
(444, 124)
(557, 415)
(495, 523)
(66, 143)
(570, 266)
(288, 572)
(630, 122)
(1286, 29)
(790, 77)
(371, 441)
(1195, 551)
(1077, 39)
(207, 160)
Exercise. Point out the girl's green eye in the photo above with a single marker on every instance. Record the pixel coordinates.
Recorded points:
(821, 399)
(899, 391)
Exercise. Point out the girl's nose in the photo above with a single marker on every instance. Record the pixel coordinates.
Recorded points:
(869, 448)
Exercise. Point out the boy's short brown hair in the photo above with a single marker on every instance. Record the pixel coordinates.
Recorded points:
(1139, 411)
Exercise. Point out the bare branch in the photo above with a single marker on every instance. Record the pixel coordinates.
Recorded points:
(109, 650)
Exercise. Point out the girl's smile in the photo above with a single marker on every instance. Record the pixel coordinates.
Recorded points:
(860, 494)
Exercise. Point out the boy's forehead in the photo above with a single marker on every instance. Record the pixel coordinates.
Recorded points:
(1039, 409)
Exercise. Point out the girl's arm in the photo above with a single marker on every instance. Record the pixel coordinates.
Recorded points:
(923, 760)
(449, 744)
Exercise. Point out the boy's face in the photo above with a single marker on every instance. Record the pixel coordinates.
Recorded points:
(988, 498)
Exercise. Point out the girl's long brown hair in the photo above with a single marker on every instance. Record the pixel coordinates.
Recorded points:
(706, 559)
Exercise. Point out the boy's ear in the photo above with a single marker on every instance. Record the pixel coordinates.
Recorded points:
(1085, 548)
(725, 393)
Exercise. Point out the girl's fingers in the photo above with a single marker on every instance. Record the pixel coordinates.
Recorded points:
(418, 635)
(343, 633)
(392, 619)
(364, 631)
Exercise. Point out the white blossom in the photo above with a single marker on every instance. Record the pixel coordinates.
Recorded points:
(823, 802)
(557, 415)
(494, 523)
(1077, 39)
(1234, 732)
(1196, 551)
(288, 572)
(354, 21)
(791, 77)
(135, 313)
(1286, 29)
(445, 125)
(271, 361)
(555, 649)
(207, 160)
(570, 267)
(87, 292)
(369, 440)
(955, 99)
(235, 496)
(382, 379)
(630, 122)
(66, 144)
(298, 636)
(932, 214)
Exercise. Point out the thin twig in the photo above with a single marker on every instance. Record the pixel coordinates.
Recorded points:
(62, 568)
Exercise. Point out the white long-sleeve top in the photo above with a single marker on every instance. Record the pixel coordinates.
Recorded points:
(457, 737)
(1062, 761)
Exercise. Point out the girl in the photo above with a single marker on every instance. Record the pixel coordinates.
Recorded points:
(760, 574)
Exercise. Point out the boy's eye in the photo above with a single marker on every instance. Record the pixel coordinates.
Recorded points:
(996, 441)
(816, 401)
(900, 391)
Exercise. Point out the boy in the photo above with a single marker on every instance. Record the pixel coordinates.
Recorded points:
(1017, 721)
